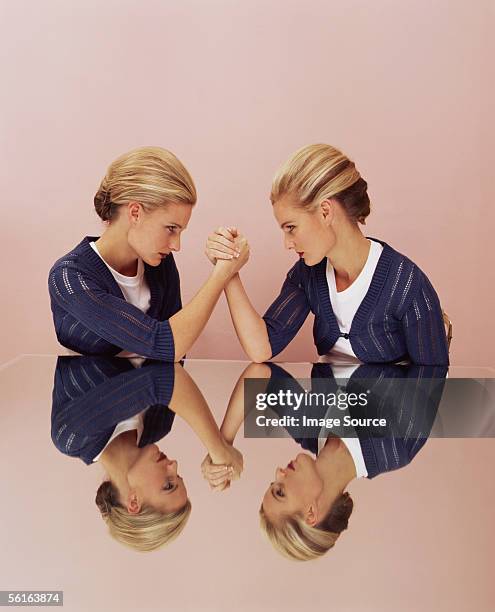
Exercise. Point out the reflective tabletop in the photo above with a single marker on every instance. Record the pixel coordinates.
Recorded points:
(421, 537)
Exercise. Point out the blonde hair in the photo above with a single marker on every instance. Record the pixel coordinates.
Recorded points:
(143, 532)
(296, 540)
(151, 176)
(320, 172)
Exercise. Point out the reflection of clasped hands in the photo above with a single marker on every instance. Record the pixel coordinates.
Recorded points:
(228, 250)
(226, 247)
(221, 467)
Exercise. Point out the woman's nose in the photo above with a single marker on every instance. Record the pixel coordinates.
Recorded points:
(288, 242)
(175, 244)
(279, 474)
(172, 466)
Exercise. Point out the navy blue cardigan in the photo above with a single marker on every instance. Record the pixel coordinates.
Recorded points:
(409, 407)
(399, 318)
(91, 395)
(92, 317)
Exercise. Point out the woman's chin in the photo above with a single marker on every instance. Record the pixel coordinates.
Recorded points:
(153, 260)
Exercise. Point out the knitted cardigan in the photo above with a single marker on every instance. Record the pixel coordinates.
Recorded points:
(92, 317)
(407, 397)
(91, 395)
(399, 318)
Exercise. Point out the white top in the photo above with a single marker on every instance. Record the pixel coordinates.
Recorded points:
(345, 303)
(352, 444)
(136, 291)
(134, 288)
(134, 422)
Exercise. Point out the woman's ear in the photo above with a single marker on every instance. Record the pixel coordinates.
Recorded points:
(133, 503)
(327, 211)
(311, 517)
(134, 211)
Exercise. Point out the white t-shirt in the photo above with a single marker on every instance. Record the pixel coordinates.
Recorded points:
(353, 445)
(134, 422)
(345, 303)
(134, 288)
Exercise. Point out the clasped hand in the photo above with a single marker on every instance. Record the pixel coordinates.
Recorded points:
(226, 244)
(219, 469)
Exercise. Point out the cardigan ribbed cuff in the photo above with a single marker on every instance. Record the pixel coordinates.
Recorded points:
(164, 383)
(165, 345)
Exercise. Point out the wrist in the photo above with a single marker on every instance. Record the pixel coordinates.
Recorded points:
(221, 275)
(228, 439)
(233, 280)
(219, 451)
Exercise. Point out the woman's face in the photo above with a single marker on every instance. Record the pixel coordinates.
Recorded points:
(306, 232)
(153, 476)
(294, 490)
(155, 234)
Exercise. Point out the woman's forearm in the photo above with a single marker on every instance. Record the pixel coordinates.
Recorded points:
(249, 326)
(190, 321)
(188, 402)
(236, 410)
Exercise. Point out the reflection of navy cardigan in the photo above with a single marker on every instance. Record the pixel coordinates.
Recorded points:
(400, 316)
(92, 317)
(91, 395)
(409, 408)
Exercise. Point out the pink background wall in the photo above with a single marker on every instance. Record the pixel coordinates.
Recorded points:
(405, 88)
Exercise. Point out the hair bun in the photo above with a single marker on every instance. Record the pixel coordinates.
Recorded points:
(106, 497)
(338, 519)
(103, 204)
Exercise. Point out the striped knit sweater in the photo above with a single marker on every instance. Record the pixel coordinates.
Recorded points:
(91, 395)
(92, 317)
(399, 318)
(407, 397)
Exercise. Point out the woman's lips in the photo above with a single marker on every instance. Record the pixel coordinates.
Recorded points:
(300, 253)
(290, 466)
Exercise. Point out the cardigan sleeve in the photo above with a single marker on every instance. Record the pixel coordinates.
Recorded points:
(288, 312)
(423, 327)
(110, 317)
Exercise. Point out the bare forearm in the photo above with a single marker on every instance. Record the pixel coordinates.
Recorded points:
(190, 321)
(236, 411)
(249, 326)
(188, 402)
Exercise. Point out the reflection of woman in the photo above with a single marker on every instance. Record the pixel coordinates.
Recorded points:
(105, 410)
(370, 303)
(121, 291)
(306, 507)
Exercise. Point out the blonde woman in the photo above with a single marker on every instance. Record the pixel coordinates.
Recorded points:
(105, 411)
(371, 303)
(120, 293)
(306, 507)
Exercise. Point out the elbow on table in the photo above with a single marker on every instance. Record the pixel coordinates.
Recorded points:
(259, 355)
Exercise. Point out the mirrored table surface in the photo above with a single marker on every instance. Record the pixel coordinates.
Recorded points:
(422, 537)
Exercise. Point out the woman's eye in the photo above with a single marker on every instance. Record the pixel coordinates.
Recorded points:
(171, 229)
(168, 486)
(290, 228)
(279, 492)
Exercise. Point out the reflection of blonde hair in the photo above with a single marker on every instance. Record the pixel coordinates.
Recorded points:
(146, 531)
(298, 541)
(149, 175)
(320, 172)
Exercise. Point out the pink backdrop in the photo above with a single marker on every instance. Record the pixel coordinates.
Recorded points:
(406, 89)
